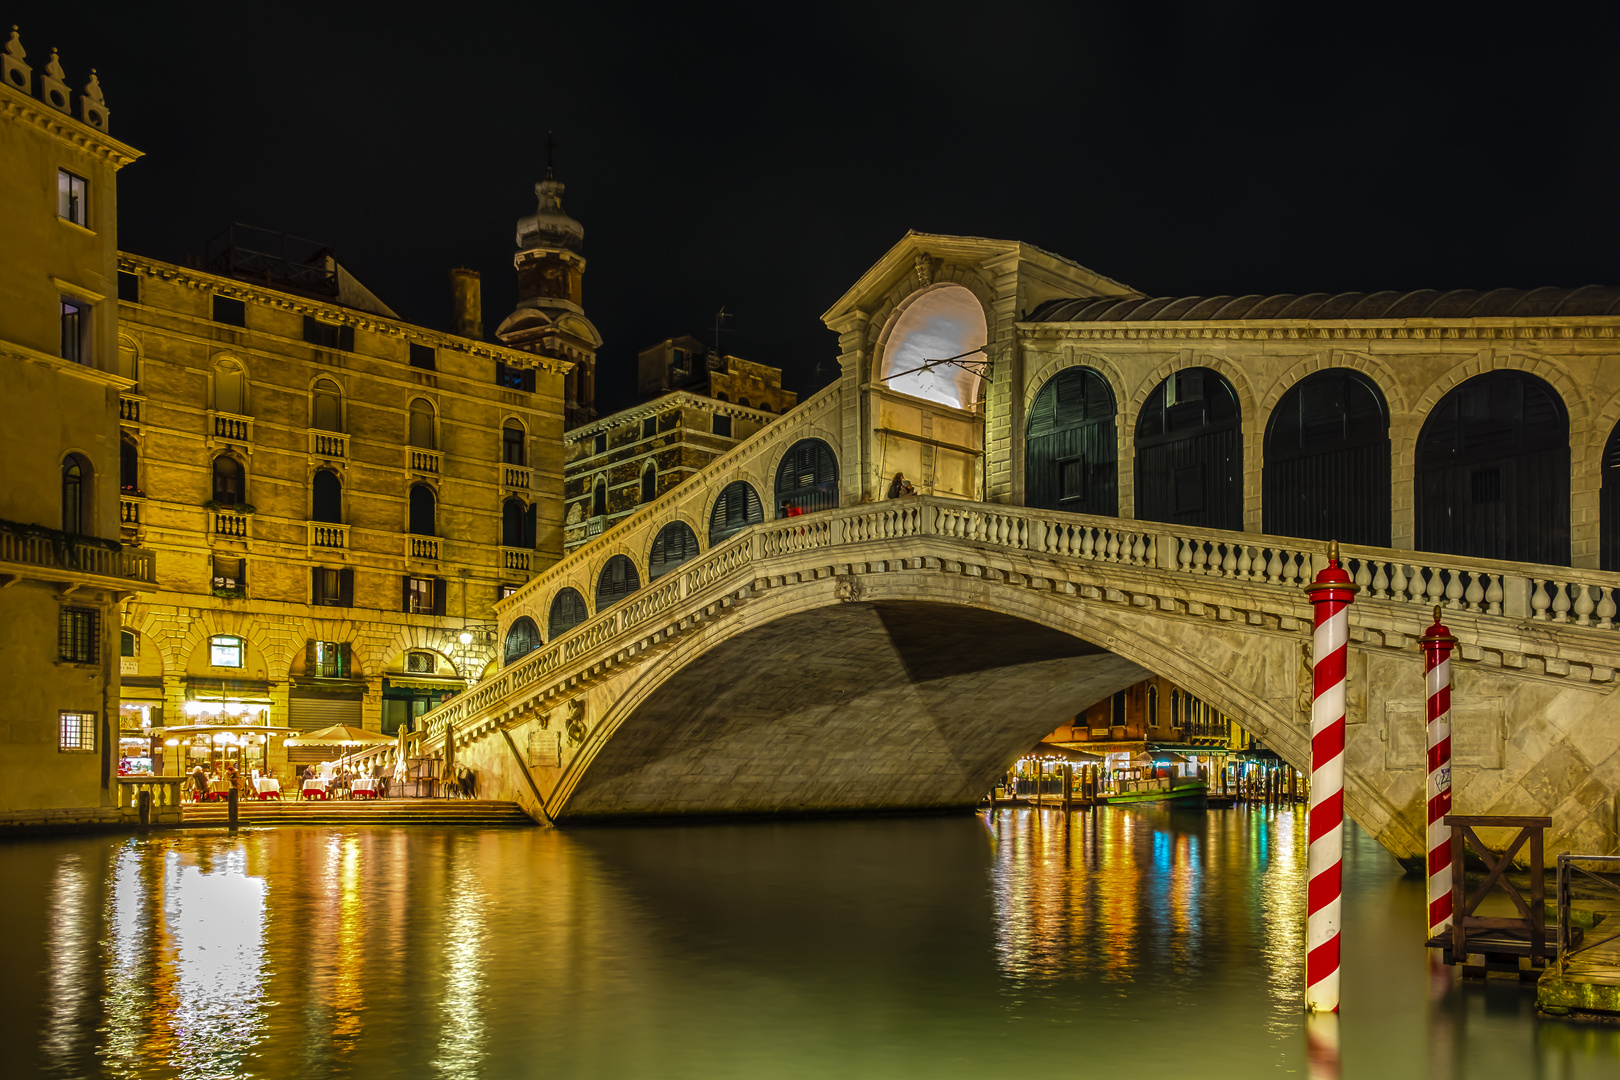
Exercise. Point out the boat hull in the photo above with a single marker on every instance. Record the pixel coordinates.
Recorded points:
(1189, 794)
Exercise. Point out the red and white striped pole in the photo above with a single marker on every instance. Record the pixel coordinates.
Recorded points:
(1331, 594)
(1437, 644)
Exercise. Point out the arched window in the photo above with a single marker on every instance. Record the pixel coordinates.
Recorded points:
(617, 581)
(744, 403)
(517, 524)
(945, 322)
(422, 434)
(423, 511)
(1175, 708)
(1326, 471)
(1189, 452)
(522, 638)
(1609, 504)
(512, 440)
(599, 498)
(1153, 706)
(129, 466)
(721, 397)
(326, 503)
(737, 508)
(807, 479)
(674, 544)
(649, 483)
(1492, 477)
(567, 611)
(1071, 445)
(230, 388)
(327, 411)
(75, 494)
(229, 486)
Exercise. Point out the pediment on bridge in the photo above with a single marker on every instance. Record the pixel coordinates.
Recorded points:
(922, 259)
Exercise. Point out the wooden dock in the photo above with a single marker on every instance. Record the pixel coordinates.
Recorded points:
(1584, 980)
(256, 814)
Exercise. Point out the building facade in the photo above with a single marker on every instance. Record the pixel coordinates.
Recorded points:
(63, 572)
(339, 497)
(702, 405)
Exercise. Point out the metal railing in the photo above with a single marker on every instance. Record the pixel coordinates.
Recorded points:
(1567, 937)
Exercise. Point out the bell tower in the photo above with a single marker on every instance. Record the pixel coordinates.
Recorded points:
(550, 316)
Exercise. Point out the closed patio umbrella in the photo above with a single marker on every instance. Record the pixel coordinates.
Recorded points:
(447, 774)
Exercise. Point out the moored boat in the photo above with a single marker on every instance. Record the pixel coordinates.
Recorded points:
(1181, 790)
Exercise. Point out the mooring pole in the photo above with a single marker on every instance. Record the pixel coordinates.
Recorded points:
(1331, 595)
(230, 806)
(1437, 644)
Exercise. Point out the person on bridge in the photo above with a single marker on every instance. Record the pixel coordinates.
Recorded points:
(790, 510)
(900, 486)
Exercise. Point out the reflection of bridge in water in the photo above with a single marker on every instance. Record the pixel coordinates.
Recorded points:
(897, 654)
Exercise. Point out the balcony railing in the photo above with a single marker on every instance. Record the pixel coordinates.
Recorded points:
(323, 534)
(52, 551)
(332, 444)
(233, 427)
(422, 461)
(594, 526)
(516, 477)
(517, 558)
(129, 408)
(129, 511)
(230, 524)
(425, 547)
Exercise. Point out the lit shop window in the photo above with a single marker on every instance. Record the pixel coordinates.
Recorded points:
(225, 652)
(77, 732)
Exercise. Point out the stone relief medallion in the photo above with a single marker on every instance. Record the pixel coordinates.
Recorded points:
(575, 722)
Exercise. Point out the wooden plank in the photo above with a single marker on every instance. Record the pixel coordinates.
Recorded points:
(1495, 922)
(1538, 902)
(1459, 937)
(1505, 822)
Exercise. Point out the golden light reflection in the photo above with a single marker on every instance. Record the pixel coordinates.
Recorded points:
(1280, 834)
(128, 1000)
(72, 971)
(461, 1036)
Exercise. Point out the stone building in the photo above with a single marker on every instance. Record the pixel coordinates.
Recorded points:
(702, 404)
(63, 572)
(550, 316)
(339, 497)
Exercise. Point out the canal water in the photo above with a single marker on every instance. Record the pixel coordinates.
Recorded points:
(1137, 943)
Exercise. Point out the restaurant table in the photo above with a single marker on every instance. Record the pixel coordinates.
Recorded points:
(363, 786)
(267, 787)
(314, 789)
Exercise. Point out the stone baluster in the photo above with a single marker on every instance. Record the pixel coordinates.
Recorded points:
(1475, 593)
(1560, 602)
(1583, 605)
(1605, 608)
(1493, 595)
(1540, 601)
(1111, 552)
(1273, 568)
(1397, 581)
(1363, 576)
(1200, 558)
(1380, 581)
(1184, 556)
(1138, 550)
(1454, 589)
(1245, 565)
(1088, 542)
(1419, 587)
(1229, 561)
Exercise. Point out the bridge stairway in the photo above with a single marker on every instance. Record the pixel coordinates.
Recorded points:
(479, 812)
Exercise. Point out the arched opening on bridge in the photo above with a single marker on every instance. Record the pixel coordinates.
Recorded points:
(674, 544)
(737, 508)
(1492, 476)
(1326, 469)
(567, 611)
(942, 322)
(522, 638)
(617, 580)
(1071, 445)
(1189, 452)
(807, 478)
(1609, 504)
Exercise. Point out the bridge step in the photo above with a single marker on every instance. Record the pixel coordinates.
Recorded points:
(360, 812)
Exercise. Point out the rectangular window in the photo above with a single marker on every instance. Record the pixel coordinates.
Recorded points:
(328, 587)
(229, 573)
(599, 444)
(76, 732)
(513, 378)
(75, 319)
(331, 660)
(225, 652)
(503, 591)
(649, 427)
(425, 357)
(230, 311)
(128, 644)
(419, 596)
(80, 636)
(72, 200)
(722, 425)
(129, 287)
(420, 663)
(328, 335)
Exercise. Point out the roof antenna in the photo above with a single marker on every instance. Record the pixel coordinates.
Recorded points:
(551, 154)
(719, 319)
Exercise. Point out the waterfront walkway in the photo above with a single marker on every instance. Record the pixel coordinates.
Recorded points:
(359, 812)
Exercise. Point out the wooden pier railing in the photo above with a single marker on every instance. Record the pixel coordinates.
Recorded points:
(1500, 942)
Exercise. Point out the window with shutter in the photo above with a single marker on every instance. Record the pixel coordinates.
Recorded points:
(737, 507)
(674, 544)
(806, 479)
(617, 581)
(567, 611)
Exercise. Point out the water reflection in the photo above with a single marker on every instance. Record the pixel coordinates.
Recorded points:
(1108, 941)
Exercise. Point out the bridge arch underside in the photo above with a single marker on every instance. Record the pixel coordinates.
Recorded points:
(865, 706)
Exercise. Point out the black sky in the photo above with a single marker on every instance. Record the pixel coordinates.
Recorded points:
(763, 156)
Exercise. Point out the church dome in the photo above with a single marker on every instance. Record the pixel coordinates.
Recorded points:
(548, 226)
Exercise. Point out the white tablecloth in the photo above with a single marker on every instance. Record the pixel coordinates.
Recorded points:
(314, 785)
(267, 785)
(220, 786)
(363, 785)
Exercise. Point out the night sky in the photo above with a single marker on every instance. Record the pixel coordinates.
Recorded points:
(763, 156)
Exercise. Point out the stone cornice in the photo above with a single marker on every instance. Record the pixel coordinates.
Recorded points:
(335, 313)
(12, 351)
(20, 106)
(1564, 328)
(662, 404)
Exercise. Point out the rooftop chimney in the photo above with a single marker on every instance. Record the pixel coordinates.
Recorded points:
(466, 303)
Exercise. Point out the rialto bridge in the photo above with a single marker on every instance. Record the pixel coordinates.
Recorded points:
(1093, 502)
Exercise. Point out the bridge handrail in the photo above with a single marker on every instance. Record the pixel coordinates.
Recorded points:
(1478, 586)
